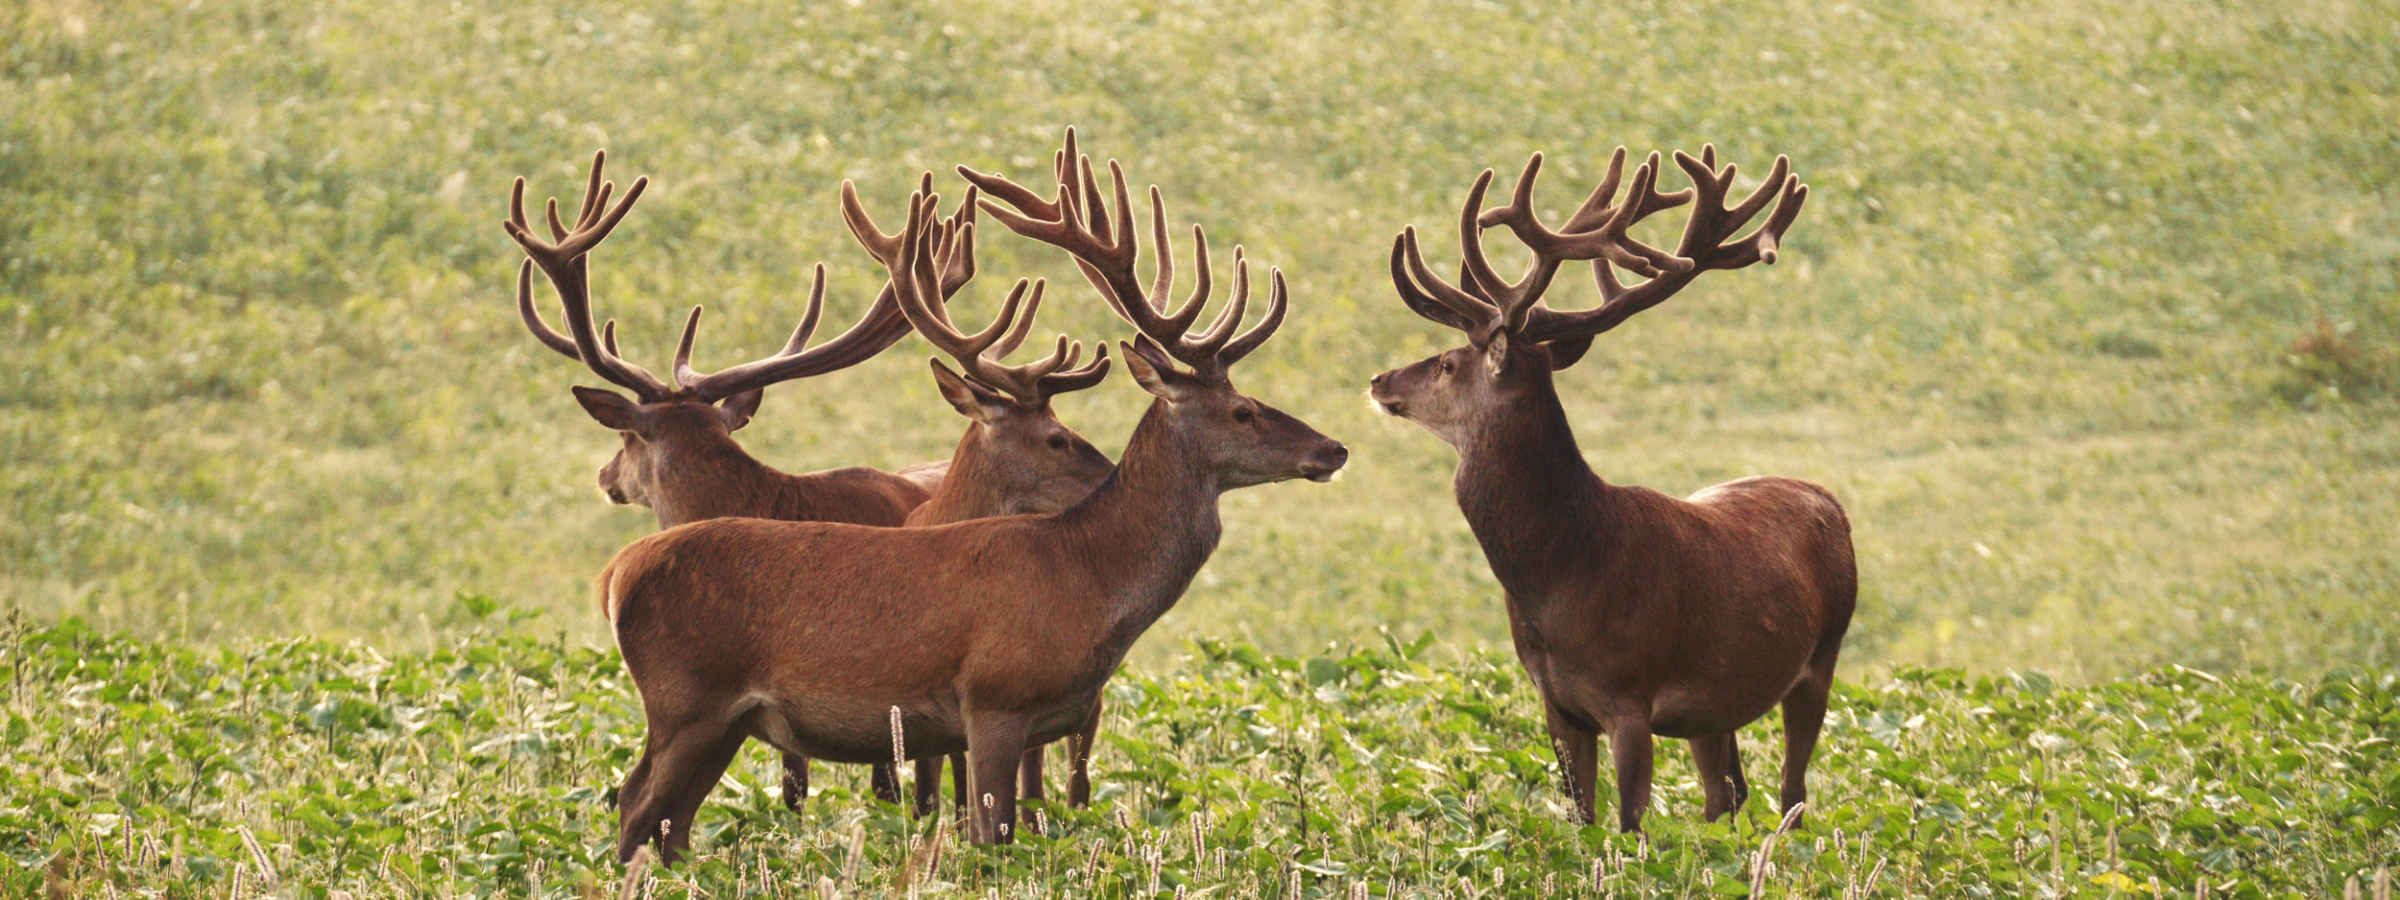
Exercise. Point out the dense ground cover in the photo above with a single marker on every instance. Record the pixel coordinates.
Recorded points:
(304, 767)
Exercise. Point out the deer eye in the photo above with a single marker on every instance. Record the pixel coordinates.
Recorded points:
(1244, 415)
(1058, 442)
(1447, 365)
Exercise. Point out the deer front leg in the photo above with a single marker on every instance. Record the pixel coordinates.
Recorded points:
(1079, 785)
(995, 745)
(1629, 743)
(1578, 750)
(795, 781)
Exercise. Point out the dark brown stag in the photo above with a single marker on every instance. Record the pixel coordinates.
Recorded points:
(989, 635)
(1635, 613)
(1016, 457)
(678, 454)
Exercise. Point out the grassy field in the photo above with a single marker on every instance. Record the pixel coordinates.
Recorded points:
(2036, 327)
(2090, 321)
(300, 768)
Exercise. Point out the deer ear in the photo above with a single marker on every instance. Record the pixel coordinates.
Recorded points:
(738, 408)
(1150, 369)
(1567, 352)
(609, 408)
(972, 400)
(1495, 353)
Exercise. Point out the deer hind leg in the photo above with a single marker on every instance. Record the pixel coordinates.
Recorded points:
(1578, 750)
(795, 781)
(928, 789)
(1720, 763)
(886, 782)
(1803, 717)
(683, 767)
(995, 747)
(1029, 777)
(1079, 786)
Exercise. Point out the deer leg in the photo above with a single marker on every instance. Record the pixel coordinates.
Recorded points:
(1079, 787)
(1578, 761)
(886, 782)
(636, 780)
(1029, 777)
(685, 767)
(1803, 717)
(929, 785)
(995, 746)
(1720, 766)
(795, 780)
(959, 796)
(1629, 742)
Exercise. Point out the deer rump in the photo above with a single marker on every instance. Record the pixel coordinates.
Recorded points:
(816, 664)
(1722, 651)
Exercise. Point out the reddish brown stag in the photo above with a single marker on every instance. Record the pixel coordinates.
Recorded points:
(989, 635)
(1016, 458)
(1635, 613)
(678, 454)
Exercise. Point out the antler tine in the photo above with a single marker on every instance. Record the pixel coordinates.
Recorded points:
(1101, 238)
(881, 244)
(1207, 343)
(563, 345)
(979, 355)
(1701, 248)
(1421, 286)
(1259, 333)
(1016, 334)
(1712, 221)
(564, 261)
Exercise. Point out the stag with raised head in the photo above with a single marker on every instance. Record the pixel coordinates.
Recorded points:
(678, 455)
(989, 635)
(1635, 613)
(1016, 457)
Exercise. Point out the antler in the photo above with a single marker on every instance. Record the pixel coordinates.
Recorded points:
(565, 260)
(917, 256)
(1103, 244)
(1703, 243)
(1597, 231)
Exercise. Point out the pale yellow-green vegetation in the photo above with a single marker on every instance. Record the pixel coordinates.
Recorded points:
(2044, 325)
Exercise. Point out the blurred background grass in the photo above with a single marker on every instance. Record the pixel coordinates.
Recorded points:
(2090, 319)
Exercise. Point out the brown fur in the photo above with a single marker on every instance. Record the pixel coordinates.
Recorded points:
(678, 455)
(1635, 613)
(991, 635)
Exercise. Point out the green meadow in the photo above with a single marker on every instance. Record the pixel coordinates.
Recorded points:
(2092, 321)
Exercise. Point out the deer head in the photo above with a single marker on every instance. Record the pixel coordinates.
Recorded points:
(667, 427)
(1514, 341)
(1016, 456)
(1234, 438)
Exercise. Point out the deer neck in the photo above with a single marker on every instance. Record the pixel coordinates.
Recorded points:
(715, 477)
(1147, 530)
(1526, 492)
(966, 491)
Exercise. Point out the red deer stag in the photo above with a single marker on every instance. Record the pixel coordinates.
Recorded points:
(678, 455)
(989, 635)
(1635, 613)
(1016, 457)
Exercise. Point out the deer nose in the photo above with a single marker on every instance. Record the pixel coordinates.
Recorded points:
(1334, 455)
(1379, 379)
